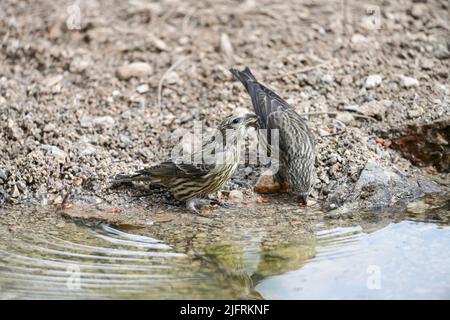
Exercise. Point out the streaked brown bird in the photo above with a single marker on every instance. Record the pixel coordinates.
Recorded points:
(296, 145)
(192, 181)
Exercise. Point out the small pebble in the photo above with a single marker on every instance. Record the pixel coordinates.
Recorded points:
(22, 186)
(345, 117)
(3, 175)
(235, 196)
(442, 51)
(136, 69)
(373, 81)
(105, 121)
(55, 152)
(248, 171)
(143, 88)
(327, 78)
(408, 82)
(172, 78)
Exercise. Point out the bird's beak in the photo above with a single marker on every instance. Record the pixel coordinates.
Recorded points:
(251, 120)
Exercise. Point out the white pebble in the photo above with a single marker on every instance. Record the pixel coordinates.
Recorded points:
(373, 81)
(105, 121)
(172, 78)
(235, 196)
(136, 69)
(328, 78)
(143, 88)
(408, 82)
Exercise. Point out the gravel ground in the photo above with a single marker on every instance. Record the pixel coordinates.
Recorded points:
(89, 89)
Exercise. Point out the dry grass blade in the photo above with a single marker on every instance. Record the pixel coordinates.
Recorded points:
(168, 71)
(302, 70)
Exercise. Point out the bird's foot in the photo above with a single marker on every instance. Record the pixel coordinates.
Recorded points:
(191, 205)
(195, 205)
(221, 203)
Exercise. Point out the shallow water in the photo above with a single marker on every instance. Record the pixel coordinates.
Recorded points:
(401, 255)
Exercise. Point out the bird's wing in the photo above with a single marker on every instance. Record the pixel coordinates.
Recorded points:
(177, 169)
(276, 120)
(291, 129)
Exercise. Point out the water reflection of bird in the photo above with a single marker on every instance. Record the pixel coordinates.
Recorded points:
(240, 274)
(283, 258)
(229, 266)
(296, 147)
(192, 181)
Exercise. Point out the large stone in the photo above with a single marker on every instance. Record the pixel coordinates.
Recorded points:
(381, 187)
(267, 184)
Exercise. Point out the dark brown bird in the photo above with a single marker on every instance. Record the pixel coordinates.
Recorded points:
(296, 146)
(192, 181)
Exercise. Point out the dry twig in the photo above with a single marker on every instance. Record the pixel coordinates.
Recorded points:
(356, 115)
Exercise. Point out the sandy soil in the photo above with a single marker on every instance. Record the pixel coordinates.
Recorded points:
(74, 113)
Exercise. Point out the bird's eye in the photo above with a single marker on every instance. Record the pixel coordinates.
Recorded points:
(236, 120)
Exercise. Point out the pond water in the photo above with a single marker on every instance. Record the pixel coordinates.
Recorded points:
(403, 254)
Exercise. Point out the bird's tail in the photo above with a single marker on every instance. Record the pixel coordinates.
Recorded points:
(245, 76)
(138, 176)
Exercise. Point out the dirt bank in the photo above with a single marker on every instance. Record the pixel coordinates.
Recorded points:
(74, 112)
